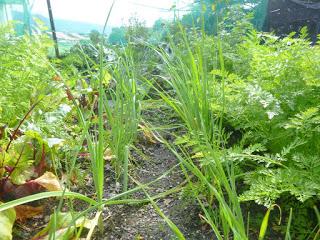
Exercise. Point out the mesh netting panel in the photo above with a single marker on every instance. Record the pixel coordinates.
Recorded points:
(17, 11)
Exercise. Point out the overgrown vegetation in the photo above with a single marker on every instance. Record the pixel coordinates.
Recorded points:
(246, 140)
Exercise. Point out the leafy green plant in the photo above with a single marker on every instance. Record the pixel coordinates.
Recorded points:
(247, 109)
(267, 105)
(123, 109)
(7, 219)
(261, 93)
(270, 98)
(193, 93)
(24, 75)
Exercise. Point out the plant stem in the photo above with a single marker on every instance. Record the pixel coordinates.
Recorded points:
(125, 168)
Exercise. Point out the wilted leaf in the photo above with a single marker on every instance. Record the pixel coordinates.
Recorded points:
(56, 78)
(24, 212)
(147, 133)
(7, 219)
(198, 155)
(108, 155)
(49, 181)
(10, 191)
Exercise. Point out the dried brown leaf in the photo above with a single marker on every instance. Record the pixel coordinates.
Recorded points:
(49, 181)
(24, 212)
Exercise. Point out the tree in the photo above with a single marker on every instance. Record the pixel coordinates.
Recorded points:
(118, 36)
(160, 30)
(137, 30)
(96, 37)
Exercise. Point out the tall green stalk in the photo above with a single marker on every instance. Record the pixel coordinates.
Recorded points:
(123, 110)
(194, 94)
(98, 160)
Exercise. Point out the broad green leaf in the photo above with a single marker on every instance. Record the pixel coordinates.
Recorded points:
(7, 219)
(34, 135)
(21, 174)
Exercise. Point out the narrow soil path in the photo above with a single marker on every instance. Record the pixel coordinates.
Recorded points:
(142, 222)
(138, 222)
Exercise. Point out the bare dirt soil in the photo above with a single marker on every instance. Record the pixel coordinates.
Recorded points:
(142, 222)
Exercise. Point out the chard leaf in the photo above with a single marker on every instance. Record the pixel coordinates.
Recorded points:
(7, 219)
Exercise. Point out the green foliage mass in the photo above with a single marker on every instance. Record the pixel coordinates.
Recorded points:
(272, 98)
(247, 103)
(24, 74)
(266, 90)
(118, 36)
(33, 108)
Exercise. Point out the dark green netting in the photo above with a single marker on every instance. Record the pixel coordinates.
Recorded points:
(288, 16)
(260, 14)
(17, 11)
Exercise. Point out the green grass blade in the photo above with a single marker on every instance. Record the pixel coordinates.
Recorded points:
(265, 222)
(264, 225)
(288, 236)
(125, 169)
(44, 195)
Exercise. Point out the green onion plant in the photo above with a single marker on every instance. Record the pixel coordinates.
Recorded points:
(123, 111)
(194, 92)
